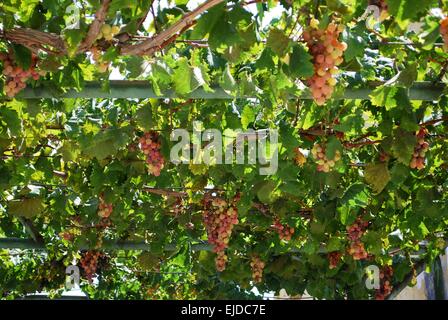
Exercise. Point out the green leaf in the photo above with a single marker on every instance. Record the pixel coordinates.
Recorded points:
(227, 82)
(300, 62)
(27, 208)
(182, 77)
(148, 261)
(265, 192)
(278, 42)
(356, 44)
(247, 116)
(403, 145)
(377, 175)
(22, 56)
(144, 117)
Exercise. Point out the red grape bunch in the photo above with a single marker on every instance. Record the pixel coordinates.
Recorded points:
(334, 258)
(221, 261)
(355, 232)
(284, 231)
(219, 218)
(16, 76)
(385, 283)
(327, 53)
(418, 157)
(89, 263)
(324, 164)
(444, 32)
(150, 145)
(105, 209)
(257, 266)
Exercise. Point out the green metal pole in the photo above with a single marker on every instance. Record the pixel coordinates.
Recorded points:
(123, 89)
(26, 244)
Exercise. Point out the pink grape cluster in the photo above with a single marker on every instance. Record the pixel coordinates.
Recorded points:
(354, 234)
(334, 258)
(323, 163)
(219, 218)
(257, 266)
(104, 209)
(150, 145)
(418, 157)
(385, 283)
(16, 76)
(284, 231)
(327, 53)
(89, 263)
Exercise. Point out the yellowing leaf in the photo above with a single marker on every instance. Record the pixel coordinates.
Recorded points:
(377, 175)
(27, 208)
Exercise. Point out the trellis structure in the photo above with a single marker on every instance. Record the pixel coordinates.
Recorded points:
(121, 89)
(222, 52)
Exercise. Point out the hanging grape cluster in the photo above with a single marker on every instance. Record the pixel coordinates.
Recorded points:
(284, 231)
(354, 234)
(219, 218)
(323, 163)
(334, 258)
(108, 32)
(150, 145)
(418, 157)
(385, 283)
(327, 52)
(89, 263)
(101, 64)
(257, 266)
(444, 32)
(104, 209)
(16, 76)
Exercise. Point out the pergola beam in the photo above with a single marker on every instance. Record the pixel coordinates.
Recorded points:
(27, 244)
(123, 89)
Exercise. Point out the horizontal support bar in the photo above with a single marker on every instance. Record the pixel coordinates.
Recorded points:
(27, 244)
(123, 89)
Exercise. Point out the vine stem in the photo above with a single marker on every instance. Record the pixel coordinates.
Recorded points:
(149, 46)
(95, 27)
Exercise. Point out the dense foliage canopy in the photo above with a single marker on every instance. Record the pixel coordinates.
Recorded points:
(360, 182)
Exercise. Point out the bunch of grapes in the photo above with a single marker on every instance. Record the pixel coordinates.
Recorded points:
(108, 32)
(324, 164)
(444, 32)
(418, 157)
(105, 209)
(89, 263)
(334, 258)
(178, 207)
(385, 283)
(150, 145)
(284, 231)
(67, 235)
(355, 232)
(101, 64)
(219, 218)
(358, 251)
(299, 158)
(16, 76)
(327, 53)
(257, 266)
(221, 261)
